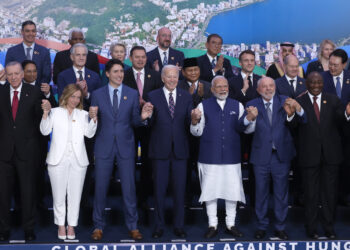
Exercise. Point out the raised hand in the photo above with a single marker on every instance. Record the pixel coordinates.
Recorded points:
(196, 115)
(200, 89)
(252, 113)
(156, 65)
(220, 64)
(289, 106)
(45, 88)
(93, 110)
(245, 84)
(84, 87)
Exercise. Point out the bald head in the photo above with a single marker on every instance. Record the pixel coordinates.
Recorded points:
(164, 38)
(291, 64)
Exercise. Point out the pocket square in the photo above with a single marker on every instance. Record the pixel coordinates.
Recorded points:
(232, 112)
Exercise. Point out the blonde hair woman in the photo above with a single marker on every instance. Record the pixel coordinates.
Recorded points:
(320, 65)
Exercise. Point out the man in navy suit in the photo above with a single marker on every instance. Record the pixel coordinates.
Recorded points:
(169, 147)
(290, 84)
(31, 51)
(272, 151)
(211, 64)
(119, 111)
(87, 79)
(164, 54)
(62, 59)
(337, 82)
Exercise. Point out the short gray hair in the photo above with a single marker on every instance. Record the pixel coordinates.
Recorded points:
(263, 78)
(216, 78)
(114, 44)
(72, 50)
(168, 67)
(13, 63)
(77, 30)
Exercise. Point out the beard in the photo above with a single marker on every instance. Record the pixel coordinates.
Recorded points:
(221, 96)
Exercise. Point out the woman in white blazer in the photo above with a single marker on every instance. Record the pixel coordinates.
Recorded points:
(67, 159)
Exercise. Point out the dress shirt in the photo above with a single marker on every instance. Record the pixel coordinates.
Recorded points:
(31, 51)
(294, 81)
(166, 93)
(252, 124)
(341, 80)
(77, 74)
(197, 130)
(318, 100)
(111, 92)
(142, 76)
(210, 60)
(12, 92)
(196, 84)
(161, 53)
(2, 82)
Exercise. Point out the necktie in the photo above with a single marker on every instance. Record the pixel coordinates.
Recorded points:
(269, 111)
(250, 81)
(193, 87)
(139, 83)
(115, 101)
(316, 108)
(29, 56)
(213, 64)
(80, 75)
(14, 104)
(338, 87)
(292, 85)
(165, 60)
(171, 105)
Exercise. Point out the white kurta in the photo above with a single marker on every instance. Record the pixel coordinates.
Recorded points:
(222, 181)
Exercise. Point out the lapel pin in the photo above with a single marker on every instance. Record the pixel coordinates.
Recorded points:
(36, 52)
(26, 94)
(179, 94)
(88, 76)
(172, 58)
(319, 67)
(73, 120)
(149, 76)
(125, 97)
(300, 82)
(324, 101)
(347, 81)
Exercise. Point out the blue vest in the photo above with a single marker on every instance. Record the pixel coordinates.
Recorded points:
(220, 141)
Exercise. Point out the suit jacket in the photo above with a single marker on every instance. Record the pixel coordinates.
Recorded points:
(175, 57)
(41, 56)
(68, 76)
(62, 62)
(197, 99)
(51, 99)
(283, 87)
(206, 68)
(169, 136)
(57, 123)
(152, 81)
(19, 136)
(236, 85)
(314, 66)
(329, 86)
(265, 134)
(116, 128)
(322, 140)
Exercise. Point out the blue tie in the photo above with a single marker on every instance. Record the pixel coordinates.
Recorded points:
(165, 60)
(115, 101)
(338, 87)
(213, 63)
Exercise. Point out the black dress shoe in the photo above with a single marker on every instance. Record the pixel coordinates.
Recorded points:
(4, 235)
(330, 234)
(234, 232)
(260, 234)
(29, 235)
(179, 232)
(312, 234)
(211, 233)
(281, 234)
(157, 233)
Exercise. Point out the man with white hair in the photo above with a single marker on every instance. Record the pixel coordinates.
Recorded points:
(218, 120)
(62, 60)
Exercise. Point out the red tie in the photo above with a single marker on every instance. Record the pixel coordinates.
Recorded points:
(14, 104)
(317, 109)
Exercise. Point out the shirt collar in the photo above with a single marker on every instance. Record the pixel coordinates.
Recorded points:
(341, 75)
(135, 71)
(196, 83)
(111, 88)
(312, 96)
(18, 89)
(166, 91)
(26, 46)
(161, 52)
(76, 70)
(271, 101)
(211, 58)
(288, 78)
(244, 75)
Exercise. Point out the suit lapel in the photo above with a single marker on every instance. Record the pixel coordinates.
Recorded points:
(8, 101)
(276, 109)
(309, 105)
(164, 102)
(74, 77)
(22, 100)
(146, 83)
(263, 109)
(160, 63)
(108, 100)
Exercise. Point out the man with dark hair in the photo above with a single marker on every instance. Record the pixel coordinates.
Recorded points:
(164, 54)
(211, 64)
(63, 61)
(144, 80)
(119, 111)
(29, 50)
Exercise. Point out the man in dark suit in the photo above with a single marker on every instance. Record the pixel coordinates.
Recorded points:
(119, 111)
(144, 80)
(320, 152)
(290, 84)
(168, 147)
(20, 114)
(31, 51)
(211, 64)
(164, 54)
(63, 61)
(272, 151)
(243, 86)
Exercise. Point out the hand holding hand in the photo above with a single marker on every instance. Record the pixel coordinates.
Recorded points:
(45, 88)
(196, 115)
(93, 110)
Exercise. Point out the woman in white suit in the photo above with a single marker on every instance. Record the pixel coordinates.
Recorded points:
(67, 159)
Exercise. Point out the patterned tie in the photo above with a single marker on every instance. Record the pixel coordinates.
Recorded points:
(269, 111)
(213, 64)
(29, 56)
(139, 83)
(115, 101)
(316, 108)
(14, 104)
(292, 85)
(80, 75)
(165, 60)
(338, 87)
(171, 105)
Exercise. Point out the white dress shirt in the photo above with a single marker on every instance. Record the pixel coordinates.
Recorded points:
(210, 60)
(294, 81)
(19, 89)
(161, 53)
(166, 93)
(341, 76)
(31, 51)
(77, 75)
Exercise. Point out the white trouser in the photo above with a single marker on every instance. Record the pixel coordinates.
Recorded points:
(230, 213)
(67, 179)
